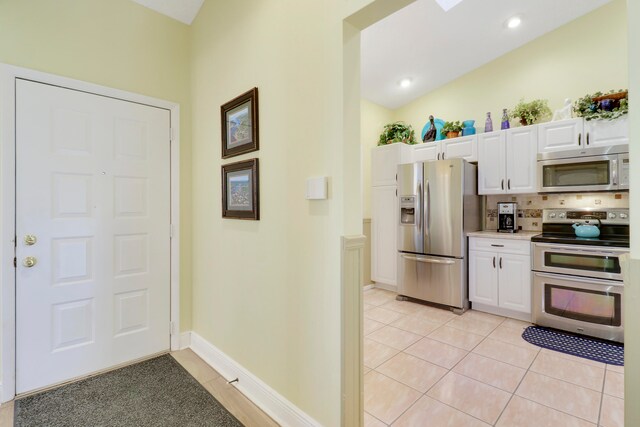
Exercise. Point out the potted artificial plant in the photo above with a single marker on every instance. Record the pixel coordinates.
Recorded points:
(603, 106)
(397, 132)
(451, 129)
(530, 112)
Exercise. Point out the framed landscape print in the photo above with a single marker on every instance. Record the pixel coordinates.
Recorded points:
(240, 190)
(240, 124)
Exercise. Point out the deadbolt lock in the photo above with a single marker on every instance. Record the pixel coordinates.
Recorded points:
(29, 261)
(30, 240)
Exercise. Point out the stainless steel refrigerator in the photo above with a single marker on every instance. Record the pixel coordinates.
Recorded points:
(438, 205)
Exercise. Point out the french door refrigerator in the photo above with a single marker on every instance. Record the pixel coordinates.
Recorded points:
(438, 205)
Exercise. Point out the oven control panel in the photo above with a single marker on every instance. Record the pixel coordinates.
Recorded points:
(605, 215)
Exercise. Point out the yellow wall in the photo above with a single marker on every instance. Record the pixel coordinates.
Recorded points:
(584, 56)
(372, 120)
(267, 292)
(114, 43)
(632, 287)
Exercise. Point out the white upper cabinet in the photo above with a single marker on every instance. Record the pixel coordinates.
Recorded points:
(561, 135)
(385, 161)
(578, 133)
(492, 162)
(522, 156)
(463, 147)
(507, 161)
(427, 151)
(601, 133)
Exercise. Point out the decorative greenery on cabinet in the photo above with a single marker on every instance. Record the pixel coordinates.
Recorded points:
(603, 106)
(397, 132)
(530, 112)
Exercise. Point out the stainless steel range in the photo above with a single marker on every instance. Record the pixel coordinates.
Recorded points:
(577, 281)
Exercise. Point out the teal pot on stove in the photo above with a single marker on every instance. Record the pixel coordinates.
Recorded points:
(586, 230)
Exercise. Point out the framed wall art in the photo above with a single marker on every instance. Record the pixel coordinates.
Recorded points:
(240, 124)
(241, 190)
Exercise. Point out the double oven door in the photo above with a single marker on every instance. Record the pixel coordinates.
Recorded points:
(579, 289)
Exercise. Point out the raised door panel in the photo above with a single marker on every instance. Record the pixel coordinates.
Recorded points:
(491, 163)
(483, 278)
(522, 160)
(384, 234)
(560, 135)
(514, 280)
(385, 160)
(465, 147)
(603, 133)
(427, 152)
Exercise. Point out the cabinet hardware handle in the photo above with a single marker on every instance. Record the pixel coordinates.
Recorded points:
(438, 156)
(494, 262)
(587, 138)
(580, 139)
(442, 156)
(509, 184)
(501, 263)
(502, 184)
(497, 246)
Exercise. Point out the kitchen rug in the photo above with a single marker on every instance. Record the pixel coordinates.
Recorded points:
(585, 347)
(157, 392)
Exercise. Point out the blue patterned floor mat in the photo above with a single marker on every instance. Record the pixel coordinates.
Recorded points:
(587, 348)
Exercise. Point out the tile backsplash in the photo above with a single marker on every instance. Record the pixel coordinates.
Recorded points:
(530, 206)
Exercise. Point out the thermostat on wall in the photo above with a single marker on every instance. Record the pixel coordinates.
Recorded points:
(316, 188)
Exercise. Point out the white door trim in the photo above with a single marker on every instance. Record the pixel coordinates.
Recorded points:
(8, 75)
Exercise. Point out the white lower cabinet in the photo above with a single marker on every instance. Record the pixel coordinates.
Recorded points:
(500, 276)
(384, 234)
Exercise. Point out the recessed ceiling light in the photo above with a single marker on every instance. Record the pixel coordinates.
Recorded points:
(405, 82)
(514, 22)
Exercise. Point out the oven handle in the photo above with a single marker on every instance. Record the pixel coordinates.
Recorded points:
(580, 280)
(570, 248)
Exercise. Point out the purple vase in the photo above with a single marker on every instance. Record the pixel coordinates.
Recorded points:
(505, 120)
(488, 124)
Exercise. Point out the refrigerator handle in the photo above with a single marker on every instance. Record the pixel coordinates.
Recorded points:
(420, 208)
(428, 260)
(427, 208)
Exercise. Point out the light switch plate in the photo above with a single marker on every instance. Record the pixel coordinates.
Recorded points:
(316, 188)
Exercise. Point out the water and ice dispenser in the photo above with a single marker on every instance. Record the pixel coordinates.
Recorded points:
(408, 210)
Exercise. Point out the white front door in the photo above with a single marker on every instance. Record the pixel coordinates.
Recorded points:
(93, 217)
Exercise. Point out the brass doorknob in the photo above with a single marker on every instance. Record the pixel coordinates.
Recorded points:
(29, 261)
(30, 240)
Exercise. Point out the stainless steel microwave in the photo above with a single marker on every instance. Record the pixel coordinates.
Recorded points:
(593, 169)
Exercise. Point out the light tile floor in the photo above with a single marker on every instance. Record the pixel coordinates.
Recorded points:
(426, 366)
(234, 401)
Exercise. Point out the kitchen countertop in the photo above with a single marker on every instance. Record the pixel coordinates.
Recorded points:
(492, 234)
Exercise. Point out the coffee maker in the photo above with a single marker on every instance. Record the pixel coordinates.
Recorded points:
(507, 214)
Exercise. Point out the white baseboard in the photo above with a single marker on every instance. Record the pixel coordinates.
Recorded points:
(387, 287)
(264, 397)
(185, 340)
(367, 287)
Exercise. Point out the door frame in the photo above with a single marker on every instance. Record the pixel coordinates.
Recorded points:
(8, 76)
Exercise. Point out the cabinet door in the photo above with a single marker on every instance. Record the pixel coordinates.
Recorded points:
(491, 163)
(514, 278)
(522, 153)
(385, 160)
(603, 133)
(561, 135)
(384, 232)
(427, 151)
(483, 277)
(465, 147)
